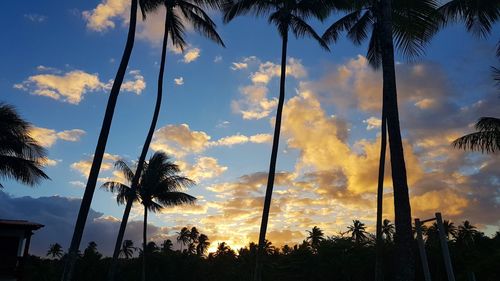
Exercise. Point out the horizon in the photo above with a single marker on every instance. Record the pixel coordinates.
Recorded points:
(216, 123)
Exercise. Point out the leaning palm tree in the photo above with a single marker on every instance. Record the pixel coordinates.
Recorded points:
(315, 237)
(159, 186)
(174, 28)
(128, 249)
(409, 25)
(203, 244)
(485, 139)
(100, 148)
(21, 156)
(287, 15)
(55, 251)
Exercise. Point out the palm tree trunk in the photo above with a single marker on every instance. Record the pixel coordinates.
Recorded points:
(142, 158)
(100, 148)
(379, 272)
(272, 166)
(405, 267)
(144, 243)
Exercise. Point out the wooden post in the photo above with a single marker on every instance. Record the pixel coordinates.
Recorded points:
(444, 248)
(421, 249)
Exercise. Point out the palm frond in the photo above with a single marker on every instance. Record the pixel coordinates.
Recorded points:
(257, 8)
(477, 15)
(175, 29)
(24, 170)
(359, 31)
(374, 53)
(344, 24)
(483, 141)
(123, 167)
(148, 6)
(175, 198)
(200, 21)
(488, 124)
(300, 28)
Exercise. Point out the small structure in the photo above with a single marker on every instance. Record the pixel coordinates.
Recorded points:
(15, 238)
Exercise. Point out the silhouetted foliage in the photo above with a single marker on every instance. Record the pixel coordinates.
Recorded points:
(336, 258)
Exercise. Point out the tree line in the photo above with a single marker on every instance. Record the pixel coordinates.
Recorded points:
(348, 255)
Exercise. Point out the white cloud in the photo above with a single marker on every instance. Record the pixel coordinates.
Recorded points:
(217, 59)
(83, 166)
(35, 17)
(73, 85)
(48, 137)
(101, 18)
(77, 183)
(179, 81)
(372, 123)
(239, 65)
(191, 55)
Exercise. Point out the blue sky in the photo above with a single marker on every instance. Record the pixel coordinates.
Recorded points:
(71, 50)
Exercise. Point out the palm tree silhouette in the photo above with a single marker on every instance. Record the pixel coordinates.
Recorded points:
(21, 157)
(287, 15)
(203, 244)
(358, 231)
(173, 29)
(387, 230)
(159, 186)
(100, 148)
(55, 251)
(485, 139)
(409, 25)
(128, 249)
(466, 233)
(315, 237)
(183, 236)
(166, 246)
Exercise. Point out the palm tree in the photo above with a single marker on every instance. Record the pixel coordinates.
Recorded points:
(203, 244)
(55, 251)
(194, 235)
(21, 157)
(466, 233)
(166, 246)
(100, 148)
(128, 249)
(410, 25)
(287, 15)
(485, 139)
(183, 236)
(358, 231)
(173, 29)
(159, 186)
(387, 230)
(315, 237)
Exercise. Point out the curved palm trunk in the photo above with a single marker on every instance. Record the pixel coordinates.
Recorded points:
(405, 268)
(379, 271)
(272, 166)
(100, 148)
(144, 243)
(140, 164)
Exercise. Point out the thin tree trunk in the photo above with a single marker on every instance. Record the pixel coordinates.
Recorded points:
(379, 265)
(272, 166)
(405, 266)
(100, 148)
(140, 164)
(144, 244)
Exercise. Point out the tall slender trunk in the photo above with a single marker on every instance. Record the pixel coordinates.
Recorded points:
(100, 148)
(272, 165)
(379, 265)
(142, 157)
(144, 243)
(405, 266)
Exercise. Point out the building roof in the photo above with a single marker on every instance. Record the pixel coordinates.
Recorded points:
(19, 224)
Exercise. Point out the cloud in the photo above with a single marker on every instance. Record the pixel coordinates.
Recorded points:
(204, 168)
(217, 59)
(179, 81)
(191, 55)
(35, 17)
(83, 166)
(239, 65)
(48, 137)
(73, 85)
(372, 123)
(100, 18)
(254, 103)
(180, 140)
(58, 214)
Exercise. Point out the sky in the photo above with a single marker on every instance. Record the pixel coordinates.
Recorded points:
(216, 122)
